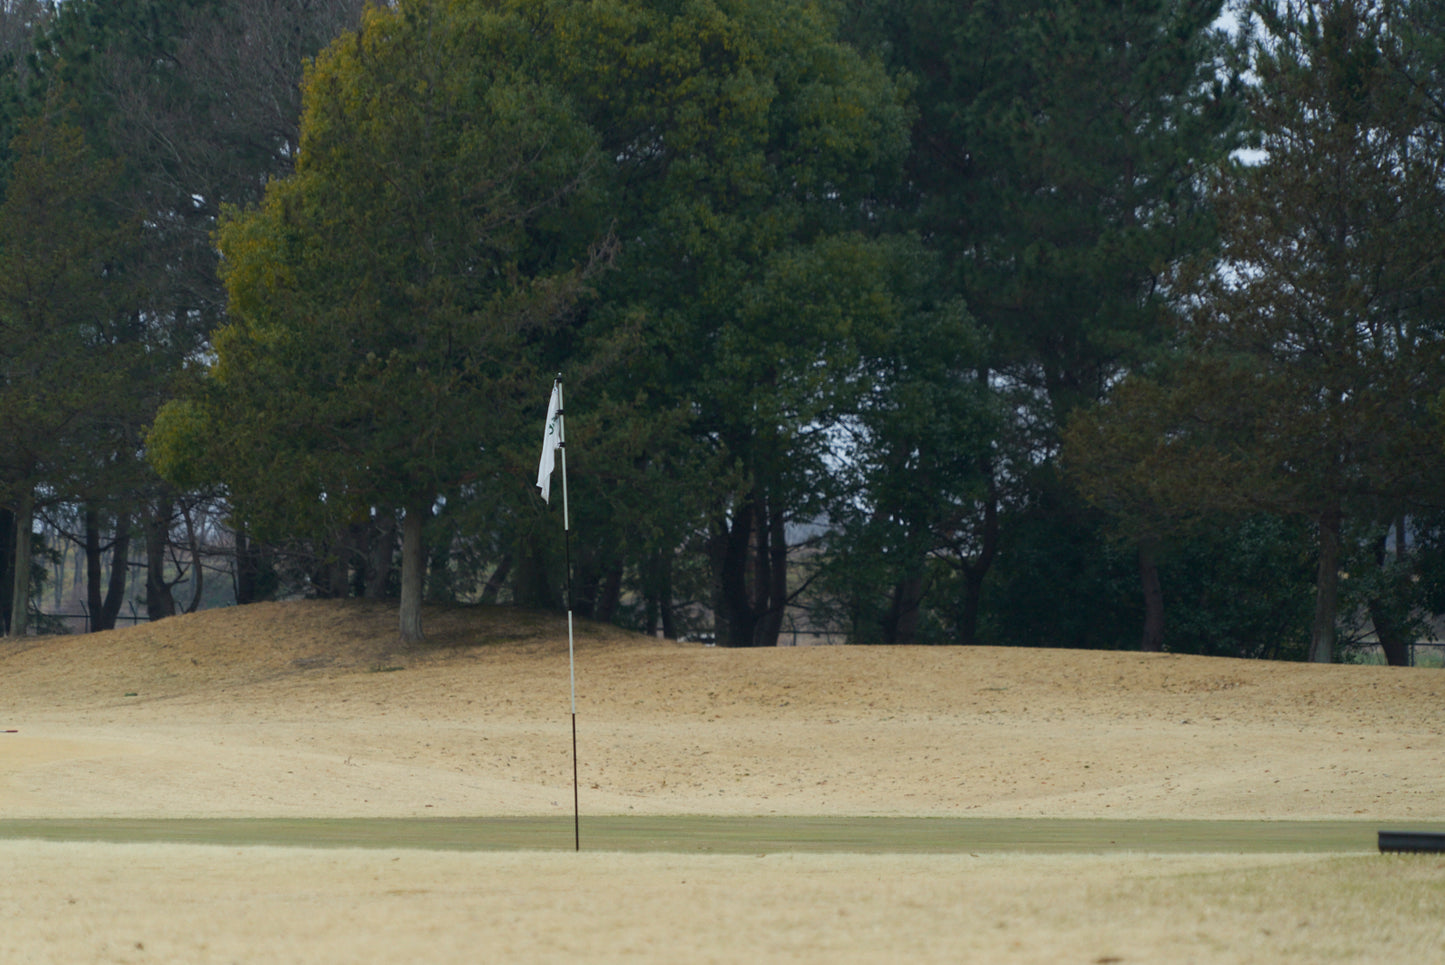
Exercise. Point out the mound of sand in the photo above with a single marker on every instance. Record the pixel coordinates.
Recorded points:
(309, 708)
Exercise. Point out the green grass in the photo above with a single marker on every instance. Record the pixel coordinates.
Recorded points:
(735, 835)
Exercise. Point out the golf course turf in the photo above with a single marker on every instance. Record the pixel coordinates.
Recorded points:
(244, 785)
(731, 835)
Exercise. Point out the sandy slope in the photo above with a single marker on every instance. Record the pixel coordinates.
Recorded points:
(308, 709)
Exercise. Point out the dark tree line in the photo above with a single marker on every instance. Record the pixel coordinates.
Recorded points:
(128, 125)
(1302, 376)
(911, 321)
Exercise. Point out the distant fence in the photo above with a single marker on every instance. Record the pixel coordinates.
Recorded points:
(1434, 654)
(808, 637)
(81, 623)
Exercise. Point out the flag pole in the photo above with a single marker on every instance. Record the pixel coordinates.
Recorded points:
(571, 659)
(554, 440)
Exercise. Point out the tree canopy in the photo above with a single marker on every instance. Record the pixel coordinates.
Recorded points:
(391, 291)
(896, 322)
(67, 312)
(1308, 355)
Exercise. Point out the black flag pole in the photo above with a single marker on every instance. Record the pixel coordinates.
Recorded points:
(571, 659)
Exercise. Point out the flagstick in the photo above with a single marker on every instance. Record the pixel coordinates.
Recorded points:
(571, 660)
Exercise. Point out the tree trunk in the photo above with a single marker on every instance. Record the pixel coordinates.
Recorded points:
(198, 572)
(336, 569)
(160, 601)
(762, 572)
(497, 580)
(7, 578)
(975, 570)
(20, 562)
(93, 564)
(584, 592)
(250, 566)
(57, 587)
(718, 576)
(1387, 631)
(244, 576)
(901, 625)
(734, 616)
(773, 599)
(1327, 589)
(656, 589)
(119, 572)
(532, 586)
(662, 590)
(379, 555)
(610, 596)
(440, 587)
(1153, 638)
(749, 560)
(104, 605)
(413, 569)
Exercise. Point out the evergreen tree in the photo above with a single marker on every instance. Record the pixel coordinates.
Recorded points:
(67, 317)
(1055, 168)
(386, 299)
(1307, 357)
(197, 103)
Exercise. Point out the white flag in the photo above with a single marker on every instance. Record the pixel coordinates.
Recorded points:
(551, 439)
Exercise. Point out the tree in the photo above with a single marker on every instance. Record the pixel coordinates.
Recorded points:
(1055, 170)
(198, 103)
(20, 22)
(1305, 360)
(388, 298)
(749, 146)
(915, 468)
(66, 310)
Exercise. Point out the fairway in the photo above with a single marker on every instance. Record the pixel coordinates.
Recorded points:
(732, 835)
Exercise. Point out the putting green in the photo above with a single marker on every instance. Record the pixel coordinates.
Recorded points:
(734, 835)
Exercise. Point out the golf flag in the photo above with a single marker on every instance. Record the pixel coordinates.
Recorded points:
(551, 439)
(554, 437)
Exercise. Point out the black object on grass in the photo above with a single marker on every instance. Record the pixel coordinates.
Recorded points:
(1412, 841)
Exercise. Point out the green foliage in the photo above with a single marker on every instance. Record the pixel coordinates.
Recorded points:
(1055, 162)
(914, 463)
(1062, 583)
(193, 103)
(178, 444)
(1233, 587)
(1239, 588)
(748, 142)
(66, 314)
(1304, 365)
(67, 320)
(1054, 171)
(389, 300)
(386, 298)
(804, 317)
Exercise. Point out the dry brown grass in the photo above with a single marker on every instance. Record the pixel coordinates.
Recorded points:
(290, 710)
